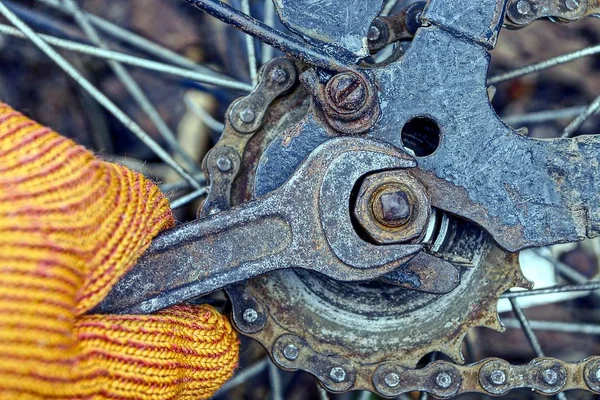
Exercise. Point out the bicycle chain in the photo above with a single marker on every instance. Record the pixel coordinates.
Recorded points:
(491, 376)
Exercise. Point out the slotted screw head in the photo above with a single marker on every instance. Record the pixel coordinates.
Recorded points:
(247, 115)
(291, 352)
(224, 164)
(278, 75)
(443, 380)
(498, 377)
(337, 374)
(347, 91)
(523, 7)
(392, 379)
(550, 376)
(250, 315)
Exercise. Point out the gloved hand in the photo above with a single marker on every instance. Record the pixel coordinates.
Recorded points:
(70, 227)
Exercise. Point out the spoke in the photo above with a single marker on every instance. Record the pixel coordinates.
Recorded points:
(202, 114)
(554, 326)
(275, 382)
(137, 41)
(531, 337)
(266, 50)
(132, 86)
(322, 393)
(424, 396)
(243, 375)
(188, 198)
(96, 94)
(388, 7)
(543, 116)
(181, 185)
(535, 344)
(250, 50)
(132, 60)
(333, 59)
(537, 67)
(581, 119)
(584, 287)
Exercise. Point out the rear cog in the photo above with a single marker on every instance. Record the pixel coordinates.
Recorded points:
(342, 332)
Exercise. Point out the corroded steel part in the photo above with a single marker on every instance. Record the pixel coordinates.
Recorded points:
(284, 229)
(520, 13)
(370, 324)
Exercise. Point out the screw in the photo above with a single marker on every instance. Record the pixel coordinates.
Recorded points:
(337, 374)
(347, 92)
(224, 163)
(291, 352)
(523, 7)
(392, 379)
(498, 377)
(374, 33)
(278, 75)
(247, 115)
(572, 5)
(250, 315)
(550, 376)
(443, 380)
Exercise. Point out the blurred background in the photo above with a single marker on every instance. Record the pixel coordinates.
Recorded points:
(541, 104)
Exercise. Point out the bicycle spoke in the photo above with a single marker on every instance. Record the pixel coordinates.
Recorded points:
(96, 94)
(535, 344)
(137, 41)
(250, 51)
(266, 50)
(334, 59)
(188, 198)
(581, 119)
(589, 286)
(554, 326)
(132, 86)
(275, 382)
(322, 393)
(531, 337)
(388, 7)
(537, 67)
(202, 114)
(131, 60)
(243, 375)
(543, 116)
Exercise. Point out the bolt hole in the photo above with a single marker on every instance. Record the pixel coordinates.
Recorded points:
(421, 135)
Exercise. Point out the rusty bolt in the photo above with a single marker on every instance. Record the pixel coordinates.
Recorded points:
(279, 75)
(250, 315)
(224, 163)
(392, 379)
(374, 33)
(572, 5)
(443, 380)
(247, 115)
(337, 374)
(392, 208)
(498, 377)
(550, 376)
(523, 7)
(291, 352)
(347, 92)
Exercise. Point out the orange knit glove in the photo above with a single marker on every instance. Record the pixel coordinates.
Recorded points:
(70, 227)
